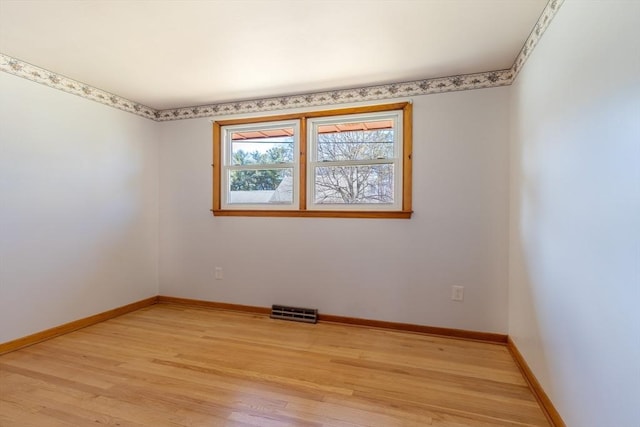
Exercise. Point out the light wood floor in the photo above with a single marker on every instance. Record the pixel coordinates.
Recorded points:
(169, 365)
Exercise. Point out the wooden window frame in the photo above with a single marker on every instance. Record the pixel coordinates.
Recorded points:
(302, 211)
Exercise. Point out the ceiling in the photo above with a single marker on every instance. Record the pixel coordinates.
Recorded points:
(171, 54)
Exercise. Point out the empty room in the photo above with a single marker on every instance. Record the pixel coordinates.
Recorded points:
(320, 213)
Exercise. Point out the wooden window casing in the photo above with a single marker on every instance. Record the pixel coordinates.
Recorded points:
(302, 211)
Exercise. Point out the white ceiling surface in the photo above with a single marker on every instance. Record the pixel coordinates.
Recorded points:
(170, 54)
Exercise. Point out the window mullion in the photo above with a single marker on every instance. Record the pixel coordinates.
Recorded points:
(302, 164)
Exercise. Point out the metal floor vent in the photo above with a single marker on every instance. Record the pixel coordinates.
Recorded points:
(298, 314)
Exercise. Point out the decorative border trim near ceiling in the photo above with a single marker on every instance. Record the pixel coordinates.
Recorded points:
(489, 79)
(545, 19)
(371, 93)
(57, 81)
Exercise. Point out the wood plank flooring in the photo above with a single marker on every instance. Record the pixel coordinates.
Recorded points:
(170, 365)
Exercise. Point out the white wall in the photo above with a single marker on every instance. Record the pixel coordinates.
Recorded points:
(575, 213)
(395, 270)
(78, 207)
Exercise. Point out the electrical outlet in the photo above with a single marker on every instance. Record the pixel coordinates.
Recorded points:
(218, 273)
(457, 293)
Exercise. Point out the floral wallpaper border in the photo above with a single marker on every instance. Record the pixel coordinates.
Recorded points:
(545, 19)
(488, 79)
(371, 93)
(57, 81)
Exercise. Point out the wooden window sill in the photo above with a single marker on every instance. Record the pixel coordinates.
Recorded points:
(314, 214)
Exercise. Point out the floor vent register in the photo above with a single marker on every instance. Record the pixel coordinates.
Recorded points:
(298, 314)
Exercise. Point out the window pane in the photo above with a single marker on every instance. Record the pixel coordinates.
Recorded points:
(259, 147)
(262, 186)
(354, 184)
(355, 141)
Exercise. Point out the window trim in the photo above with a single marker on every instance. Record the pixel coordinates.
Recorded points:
(302, 211)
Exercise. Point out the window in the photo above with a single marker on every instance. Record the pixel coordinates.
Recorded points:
(353, 162)
(342, 163)
(260, 166)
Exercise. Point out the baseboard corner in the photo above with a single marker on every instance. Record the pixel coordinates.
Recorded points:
(549, 410)
(37, 337)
